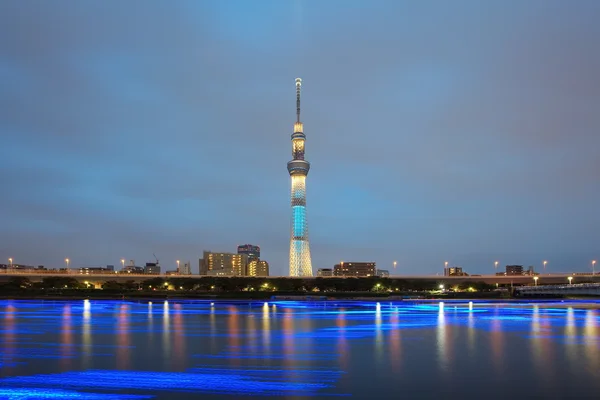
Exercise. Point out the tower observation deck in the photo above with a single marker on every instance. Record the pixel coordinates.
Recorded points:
(298, 167)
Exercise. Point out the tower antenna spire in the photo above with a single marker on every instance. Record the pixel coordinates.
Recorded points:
(298, 87)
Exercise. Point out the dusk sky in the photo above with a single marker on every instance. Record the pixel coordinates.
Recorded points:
(463, 131)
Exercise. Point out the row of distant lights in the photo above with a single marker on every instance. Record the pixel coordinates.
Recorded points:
(497, 262)
(395, 263)
(68, 261)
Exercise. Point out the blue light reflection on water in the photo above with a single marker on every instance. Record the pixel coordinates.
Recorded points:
(199, 381)
(316, 348)
(40, 393)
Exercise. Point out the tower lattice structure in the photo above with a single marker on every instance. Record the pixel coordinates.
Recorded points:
(300, 262)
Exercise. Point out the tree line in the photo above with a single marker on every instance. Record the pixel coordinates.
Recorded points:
(248, 284)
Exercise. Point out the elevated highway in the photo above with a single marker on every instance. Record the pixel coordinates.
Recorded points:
(448, 281)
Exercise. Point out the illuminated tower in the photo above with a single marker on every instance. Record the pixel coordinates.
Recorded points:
(300, 264)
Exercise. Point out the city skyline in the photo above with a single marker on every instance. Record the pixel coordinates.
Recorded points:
(440, 133)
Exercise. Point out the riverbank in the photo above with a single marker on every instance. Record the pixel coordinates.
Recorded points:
(74, 294)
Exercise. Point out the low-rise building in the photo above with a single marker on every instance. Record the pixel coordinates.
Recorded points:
(355, 269)
(514, 270)
(95, 270)
(455, 271)
(152, 269)
(186, 268)
(383, 273)
(223, 264)
(325, 272)
(258, 268)
(132, 269)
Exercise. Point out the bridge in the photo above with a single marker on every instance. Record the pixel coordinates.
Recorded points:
(581, 289)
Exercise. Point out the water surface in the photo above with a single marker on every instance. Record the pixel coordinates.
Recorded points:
(227, 350)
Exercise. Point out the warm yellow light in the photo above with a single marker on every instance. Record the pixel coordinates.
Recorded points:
(166, 283)
(10, 260)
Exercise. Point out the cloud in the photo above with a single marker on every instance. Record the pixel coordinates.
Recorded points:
(434, 129)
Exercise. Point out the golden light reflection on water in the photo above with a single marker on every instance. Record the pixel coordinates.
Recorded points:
(150, 327)
(288, 337)
(86, 335)
(253, 334)
(213, 329)
(8, 345)
(395, 342)
(541, 348)
(266, 325)
(166, 331)
(591, 334)
(233, 334)
(378, 334)
(471, 331)
(342, 340)
(233, 327)
(571, 346)
(66, 338)
(123, 340)
(497, 341)
(441, 328)
(179, 337)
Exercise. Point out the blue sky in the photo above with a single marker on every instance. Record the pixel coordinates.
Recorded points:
(461, 131)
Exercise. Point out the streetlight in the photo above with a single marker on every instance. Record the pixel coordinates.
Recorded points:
(570, 280)
(395, 262)
(67, 262)
(593, 267)
(545, 262)
(177, 266)
(496, 266)
(535, 279)
(441, 287)
(445, 267)
(123, 262)
(10, 262)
